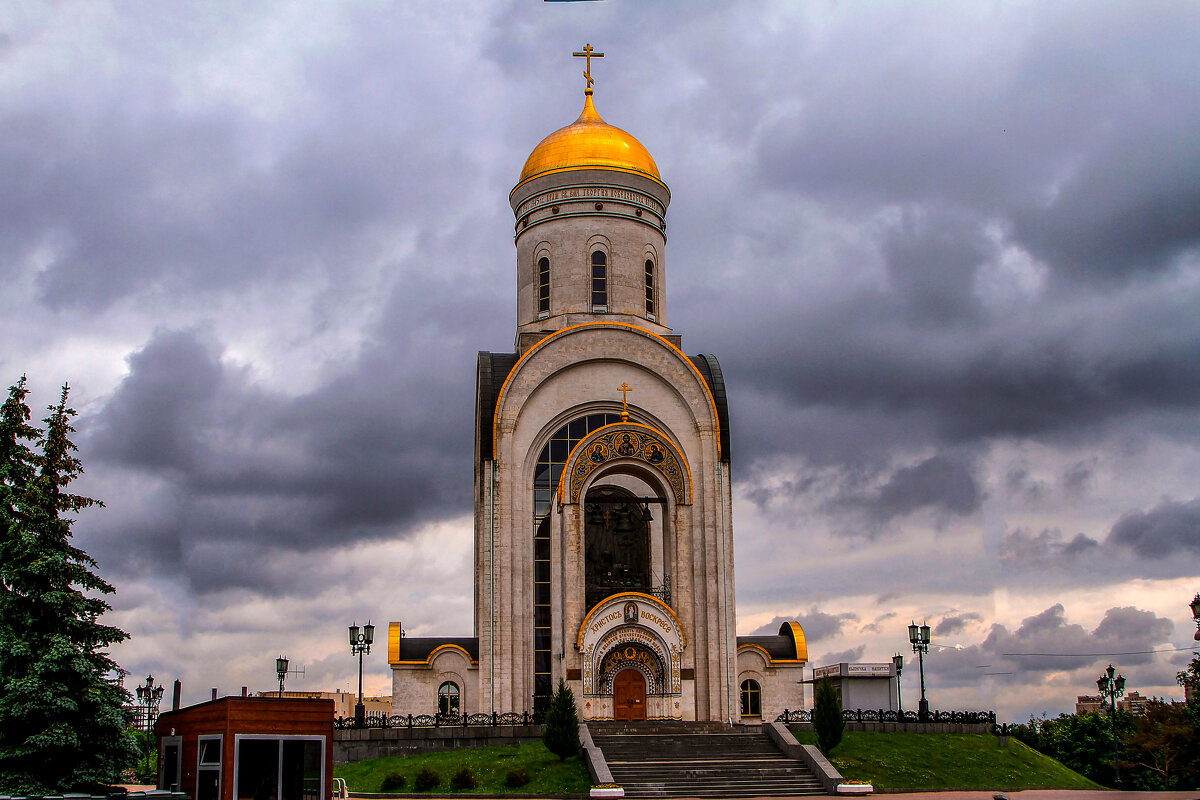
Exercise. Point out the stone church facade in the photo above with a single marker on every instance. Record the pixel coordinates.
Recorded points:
(603, 543)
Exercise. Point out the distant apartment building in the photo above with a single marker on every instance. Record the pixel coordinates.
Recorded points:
(343, 702)
(1132, 703)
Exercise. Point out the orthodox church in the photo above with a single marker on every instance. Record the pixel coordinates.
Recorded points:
(603, 543)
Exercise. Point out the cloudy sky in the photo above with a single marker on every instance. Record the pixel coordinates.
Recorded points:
(948, 255)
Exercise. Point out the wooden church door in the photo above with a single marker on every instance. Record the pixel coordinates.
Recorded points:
(629, 695)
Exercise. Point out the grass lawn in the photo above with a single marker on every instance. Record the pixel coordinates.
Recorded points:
(547, 774)
(946, 761)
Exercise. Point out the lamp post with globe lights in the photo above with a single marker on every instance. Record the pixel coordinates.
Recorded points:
(150, 696)
(918, 637)
(281, 670)
(360, 645)
(1111, 688)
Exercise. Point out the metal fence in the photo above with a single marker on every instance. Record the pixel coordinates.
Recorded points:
(871, 715)
(442, 720)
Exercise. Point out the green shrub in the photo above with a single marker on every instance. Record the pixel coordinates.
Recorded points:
(464, 779)
(391, 782)
(426, 779)
(561, 734)
(827, 717)
(516, 777)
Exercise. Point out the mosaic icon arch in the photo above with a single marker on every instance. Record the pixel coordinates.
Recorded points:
(631, 630)
(625, 440)
(630, 655)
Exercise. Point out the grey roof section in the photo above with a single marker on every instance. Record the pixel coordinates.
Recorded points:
(778, 647)
(711, 370)
(493, 370)
(418, 648)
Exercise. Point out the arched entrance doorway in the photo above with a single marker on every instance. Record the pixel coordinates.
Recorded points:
(629, 695)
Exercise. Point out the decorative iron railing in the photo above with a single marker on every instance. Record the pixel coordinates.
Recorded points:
(442, 720)
(871, 715)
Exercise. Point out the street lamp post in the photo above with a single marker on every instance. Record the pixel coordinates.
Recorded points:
(149, 696)
(281, 670)
(360, 645)
(1112, 688)
(1196, 615)
(898, 663)
(918, 637)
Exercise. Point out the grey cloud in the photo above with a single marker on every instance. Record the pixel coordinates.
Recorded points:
(838, 656)
(954, 623)
(939, 483)
(1077, 478)
(817, 624)
(1047, 643)
(1022, 547)
(357, 458)
(1169, 528)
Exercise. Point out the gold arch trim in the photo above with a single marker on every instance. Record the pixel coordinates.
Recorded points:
(617, 598)
(799, 639)
(584, 468)
(516, 367)
(757, 647)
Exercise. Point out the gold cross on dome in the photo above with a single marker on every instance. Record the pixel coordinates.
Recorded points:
(624, 389)
(588, 53)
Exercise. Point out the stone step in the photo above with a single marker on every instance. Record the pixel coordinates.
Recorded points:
(699, 760)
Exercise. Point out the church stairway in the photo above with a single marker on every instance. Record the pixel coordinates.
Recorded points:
(699, 759)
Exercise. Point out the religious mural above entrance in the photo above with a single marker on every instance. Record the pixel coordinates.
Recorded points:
(631, 630)
(624, 440)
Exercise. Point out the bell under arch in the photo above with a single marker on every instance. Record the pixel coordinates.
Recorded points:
(616, 542)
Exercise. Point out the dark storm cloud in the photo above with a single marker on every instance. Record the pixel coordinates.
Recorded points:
(246, 473)
(954, 623)
(1047, 643)
(817, 624)
(1096, 174)
(939, 483)
(1166, 530)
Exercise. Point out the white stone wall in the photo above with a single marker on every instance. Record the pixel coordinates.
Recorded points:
(571, 374)
(415, 686)
(780, 684)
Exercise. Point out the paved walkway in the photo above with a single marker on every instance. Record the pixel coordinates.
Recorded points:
(1047, 794)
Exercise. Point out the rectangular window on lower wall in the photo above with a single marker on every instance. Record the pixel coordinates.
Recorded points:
(280, 768)
(208, 767)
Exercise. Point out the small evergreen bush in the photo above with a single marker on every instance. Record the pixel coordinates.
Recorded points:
(516, 777)
(426, 779)
(561, 734)
(827, 717)
(392, 781)
(464, 779)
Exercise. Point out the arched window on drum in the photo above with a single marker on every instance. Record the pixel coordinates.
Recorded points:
(599, 280)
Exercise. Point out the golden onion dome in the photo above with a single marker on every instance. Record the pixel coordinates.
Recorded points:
(589, 143)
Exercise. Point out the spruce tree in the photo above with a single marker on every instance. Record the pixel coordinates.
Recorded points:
(561, 734)
(827, 717)
(62, 710)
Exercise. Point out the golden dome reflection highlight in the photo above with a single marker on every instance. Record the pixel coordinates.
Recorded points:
(589, 142)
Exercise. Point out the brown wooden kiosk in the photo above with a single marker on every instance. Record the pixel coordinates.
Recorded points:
(248, 748)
